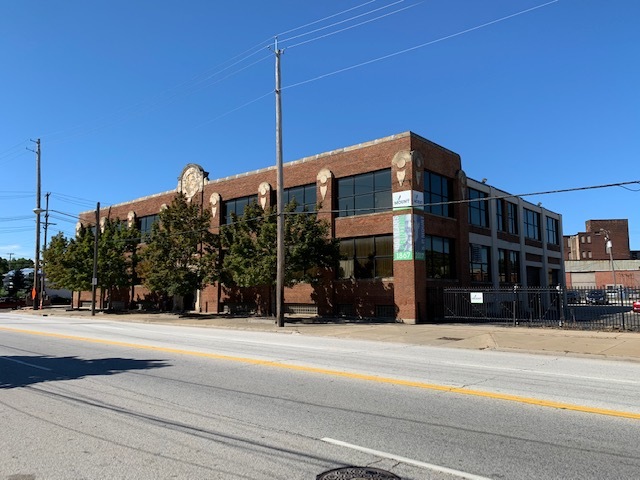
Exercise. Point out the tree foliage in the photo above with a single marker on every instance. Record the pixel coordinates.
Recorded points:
(180, 252)
(56, 262)
(116, 254)
(69, 263)
(250, 246)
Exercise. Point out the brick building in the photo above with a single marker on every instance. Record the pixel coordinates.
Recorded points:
(589, 262)
(409, 222)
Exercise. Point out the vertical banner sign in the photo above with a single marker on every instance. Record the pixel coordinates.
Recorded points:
(403, 237)
(418, 236)
(408, 237)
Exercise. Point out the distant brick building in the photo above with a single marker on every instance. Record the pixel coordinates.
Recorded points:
(589, 263)
(409, 222)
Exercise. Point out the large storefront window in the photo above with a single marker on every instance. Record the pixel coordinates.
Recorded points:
(440, 257)
(366, 193)
(367, 257)
(478, 211)
(237, 206)
(480, 263)
(437, 194)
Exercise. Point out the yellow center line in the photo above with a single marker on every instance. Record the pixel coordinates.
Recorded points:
(337, 373)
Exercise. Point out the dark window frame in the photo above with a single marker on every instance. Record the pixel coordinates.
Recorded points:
(553, 227)
(233, 204)
(478, 210)
(364, 193)
(508, 267)
(532, 224)
(480, 263)
(440, 257)
(366, 257)
(309, 198)
(438, 189)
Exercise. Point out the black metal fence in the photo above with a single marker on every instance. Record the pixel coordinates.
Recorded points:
(541, 307)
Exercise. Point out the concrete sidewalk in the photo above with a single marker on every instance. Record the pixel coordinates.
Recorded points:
(611, 344)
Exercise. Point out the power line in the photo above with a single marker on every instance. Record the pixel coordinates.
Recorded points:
(325, 18)
(345, 21)
(400, 52)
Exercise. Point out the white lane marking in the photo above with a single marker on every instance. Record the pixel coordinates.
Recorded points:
(25, 363)
(429, 466)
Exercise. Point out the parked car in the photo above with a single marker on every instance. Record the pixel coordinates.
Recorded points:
(596, 297)
(573, 296)
(636, 306)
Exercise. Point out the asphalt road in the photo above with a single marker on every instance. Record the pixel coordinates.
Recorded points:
(98, 399)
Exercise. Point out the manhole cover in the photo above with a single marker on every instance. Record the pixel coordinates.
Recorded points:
(357, 473)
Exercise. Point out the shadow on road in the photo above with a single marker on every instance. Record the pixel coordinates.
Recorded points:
(24, 370)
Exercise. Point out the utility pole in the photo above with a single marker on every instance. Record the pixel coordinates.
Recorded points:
(37, 211)
(94, 279)
(44, 248)
(10, 255)
(279, 195)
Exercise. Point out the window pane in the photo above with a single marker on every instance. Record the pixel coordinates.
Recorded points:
(363, 184)
(364, 267)
(345, 187)
(346, 268)
(384, 246)
(382, 180)
(383, 201)
(384, 267)
(345, 207)
(364, 204)
(365, 247)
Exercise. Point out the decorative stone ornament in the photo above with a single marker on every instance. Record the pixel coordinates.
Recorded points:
(323, 179)
(103, 221)
(214, 200)
(263, 190)
(418, 166)
(192, 180)
(131, 218)
(400, 161)
(78, 227)
(462, 181)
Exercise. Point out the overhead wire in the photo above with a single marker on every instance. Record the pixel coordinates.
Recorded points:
(354, 26)
(326, 18)
(422, 45)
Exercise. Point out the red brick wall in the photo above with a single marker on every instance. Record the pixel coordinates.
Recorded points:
(406, 290)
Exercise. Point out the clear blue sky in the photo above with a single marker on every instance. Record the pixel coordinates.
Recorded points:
(123, 94)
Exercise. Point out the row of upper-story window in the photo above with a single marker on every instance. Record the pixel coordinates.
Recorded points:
(371, 192)
(507, 218)
(372, 257)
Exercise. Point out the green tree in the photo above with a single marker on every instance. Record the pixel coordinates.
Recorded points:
(20, 263)
(4, 266)
(56, 262)
(18, 286)
(116, 255)
(250, 245)
(180, 253)
(80, 260)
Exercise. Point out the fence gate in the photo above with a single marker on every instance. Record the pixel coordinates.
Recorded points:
(536, 307)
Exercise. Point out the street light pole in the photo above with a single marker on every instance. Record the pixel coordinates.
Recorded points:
(609, 249)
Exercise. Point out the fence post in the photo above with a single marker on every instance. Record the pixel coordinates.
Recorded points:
(515, 302)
